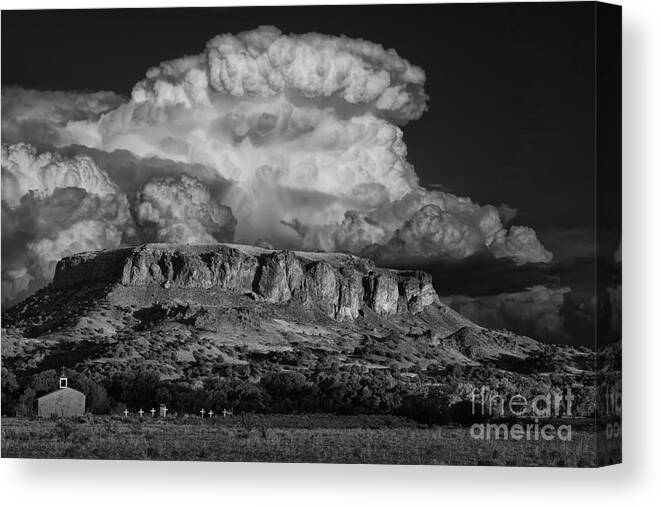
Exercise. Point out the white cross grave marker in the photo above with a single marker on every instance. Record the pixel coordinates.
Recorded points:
(141, 412)
(153, 411)
(210, 414)
(203, 412)
(126, 412)
(165, 411)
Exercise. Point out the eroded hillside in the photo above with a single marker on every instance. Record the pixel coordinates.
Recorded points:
(193, 312)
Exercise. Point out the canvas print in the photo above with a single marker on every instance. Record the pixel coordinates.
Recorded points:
(326, 234)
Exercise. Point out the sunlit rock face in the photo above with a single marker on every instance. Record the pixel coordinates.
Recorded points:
(340, 285)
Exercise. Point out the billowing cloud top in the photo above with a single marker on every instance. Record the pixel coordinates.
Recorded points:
(291, 139)
(264, 63)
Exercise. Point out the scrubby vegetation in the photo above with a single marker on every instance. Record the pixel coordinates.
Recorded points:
(434, 395)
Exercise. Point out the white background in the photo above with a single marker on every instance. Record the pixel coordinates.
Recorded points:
(636, 482)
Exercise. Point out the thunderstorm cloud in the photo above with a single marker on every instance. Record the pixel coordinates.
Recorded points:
(292, 140)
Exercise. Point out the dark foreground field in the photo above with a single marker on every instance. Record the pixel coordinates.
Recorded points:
(316, 438)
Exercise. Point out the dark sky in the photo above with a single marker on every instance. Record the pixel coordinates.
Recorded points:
(511, 86)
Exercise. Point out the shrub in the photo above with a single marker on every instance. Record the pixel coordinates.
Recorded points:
(64, 428)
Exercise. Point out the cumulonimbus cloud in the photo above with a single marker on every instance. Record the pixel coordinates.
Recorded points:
(304, 133)
(52, 117)
(425, 225)
(181, 211)
(53, 206)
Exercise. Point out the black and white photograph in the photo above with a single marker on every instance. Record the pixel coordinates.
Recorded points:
(348, 234)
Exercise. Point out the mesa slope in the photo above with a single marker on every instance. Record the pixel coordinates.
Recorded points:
(190, 312)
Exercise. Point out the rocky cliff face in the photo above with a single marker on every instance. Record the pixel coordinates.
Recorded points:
(341, 285)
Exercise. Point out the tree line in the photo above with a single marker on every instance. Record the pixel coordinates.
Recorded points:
(436, 396)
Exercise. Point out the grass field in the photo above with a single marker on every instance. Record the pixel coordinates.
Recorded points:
(272, 438)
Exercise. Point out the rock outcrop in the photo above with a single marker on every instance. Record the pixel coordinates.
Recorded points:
(340, 285)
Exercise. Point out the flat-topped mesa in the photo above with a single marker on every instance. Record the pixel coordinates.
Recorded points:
(341, 285)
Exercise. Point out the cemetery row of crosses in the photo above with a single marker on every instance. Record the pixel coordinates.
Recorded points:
(69, 402)
(163, 412)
